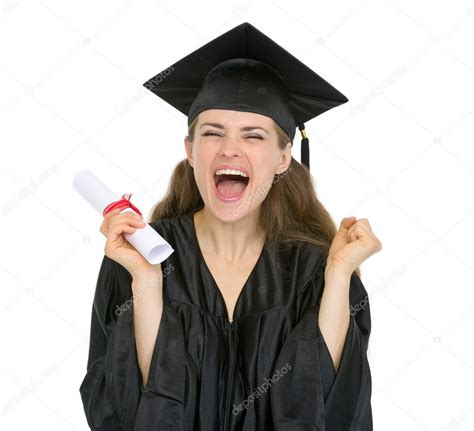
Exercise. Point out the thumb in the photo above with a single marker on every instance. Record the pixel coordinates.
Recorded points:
(346, 223)
(340, 239)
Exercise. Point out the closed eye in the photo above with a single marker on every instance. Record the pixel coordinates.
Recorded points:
(216, 134)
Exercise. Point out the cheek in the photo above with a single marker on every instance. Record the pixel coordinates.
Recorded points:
(266, 151)
(265, 162)
(263, 177)
(202, 164)
(265, 180)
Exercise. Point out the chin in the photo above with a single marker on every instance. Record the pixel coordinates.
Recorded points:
(231, 212)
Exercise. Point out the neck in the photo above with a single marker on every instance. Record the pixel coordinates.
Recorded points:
(233, 241)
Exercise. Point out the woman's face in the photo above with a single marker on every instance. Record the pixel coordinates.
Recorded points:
(243, 141)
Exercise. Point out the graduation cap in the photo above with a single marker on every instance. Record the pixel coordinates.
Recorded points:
(245, 70)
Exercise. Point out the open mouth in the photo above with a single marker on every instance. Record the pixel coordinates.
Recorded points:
(230, 186)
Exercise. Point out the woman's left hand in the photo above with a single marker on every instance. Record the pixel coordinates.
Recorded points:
(354, 242)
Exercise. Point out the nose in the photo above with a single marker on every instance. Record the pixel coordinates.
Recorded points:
(231, 147)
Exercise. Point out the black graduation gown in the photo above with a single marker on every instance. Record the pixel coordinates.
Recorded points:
(268, 369)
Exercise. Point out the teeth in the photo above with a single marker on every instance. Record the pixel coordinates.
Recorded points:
(231, 172)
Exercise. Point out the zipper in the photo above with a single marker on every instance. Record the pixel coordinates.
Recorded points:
(231, 376)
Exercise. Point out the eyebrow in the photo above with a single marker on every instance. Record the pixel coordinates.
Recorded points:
(243, 129)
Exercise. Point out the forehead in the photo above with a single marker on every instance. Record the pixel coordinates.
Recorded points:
(230, 118)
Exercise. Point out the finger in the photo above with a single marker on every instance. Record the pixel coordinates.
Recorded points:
(365, 222)
(116, 214)
(346, 223)
(365, 235)
(116, 231)
(128, 221)
(357, 231)
(352, 233)
(128, 215)
(112, 213)
(106, 220)
(120, 217)
(341, 238)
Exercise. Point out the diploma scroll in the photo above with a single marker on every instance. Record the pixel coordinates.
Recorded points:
(147, 241)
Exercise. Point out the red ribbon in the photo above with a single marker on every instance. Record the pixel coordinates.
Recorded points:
(122, 203)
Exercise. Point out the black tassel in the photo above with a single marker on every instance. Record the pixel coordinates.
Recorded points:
(304, 147)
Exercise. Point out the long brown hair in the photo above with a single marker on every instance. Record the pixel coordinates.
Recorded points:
(290, 213)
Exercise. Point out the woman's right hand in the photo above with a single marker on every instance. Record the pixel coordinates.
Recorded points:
(114, 225)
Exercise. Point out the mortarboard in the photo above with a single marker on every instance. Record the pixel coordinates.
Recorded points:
(245, 70)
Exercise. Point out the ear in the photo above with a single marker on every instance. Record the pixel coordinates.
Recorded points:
(285, 159)
(189, 150)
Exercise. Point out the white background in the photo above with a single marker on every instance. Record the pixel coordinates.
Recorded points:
(398, 153)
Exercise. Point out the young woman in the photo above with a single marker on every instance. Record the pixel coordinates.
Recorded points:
(259, 319)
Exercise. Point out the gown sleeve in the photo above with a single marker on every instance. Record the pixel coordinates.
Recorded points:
(112, 381)
(347, 392)
(312, 396)
(112, 391)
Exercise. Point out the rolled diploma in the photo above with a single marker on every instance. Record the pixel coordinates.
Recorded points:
(147, 241)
